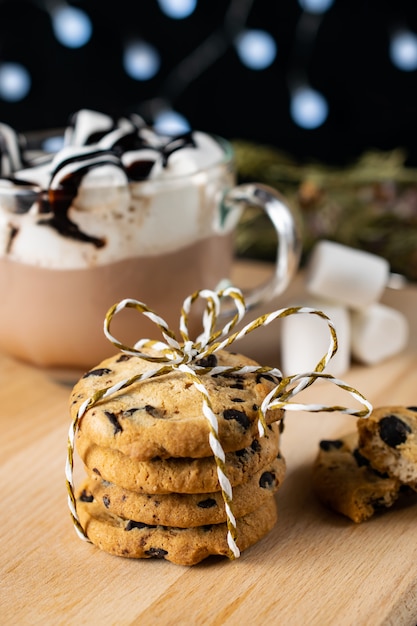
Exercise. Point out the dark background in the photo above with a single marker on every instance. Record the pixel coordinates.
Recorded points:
(372, 104)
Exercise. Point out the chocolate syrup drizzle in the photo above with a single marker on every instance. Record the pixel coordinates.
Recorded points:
(57, 200)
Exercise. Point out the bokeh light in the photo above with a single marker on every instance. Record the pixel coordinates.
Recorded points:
(315, 6)
(256, 49)
(171, 123)
(308, 108)
(403, 51)
(15, 82)
(177, 9)
(179, 52)
(53, 144)
(72, 27)
(141, 60)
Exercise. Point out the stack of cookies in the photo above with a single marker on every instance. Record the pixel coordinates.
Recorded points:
(152, 487)
(367, 470)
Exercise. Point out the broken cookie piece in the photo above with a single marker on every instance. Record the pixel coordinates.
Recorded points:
(388, 439)
(344, 481)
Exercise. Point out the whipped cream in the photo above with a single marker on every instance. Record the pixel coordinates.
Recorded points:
(116, 190)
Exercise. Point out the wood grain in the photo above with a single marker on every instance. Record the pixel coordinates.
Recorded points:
(314, 568)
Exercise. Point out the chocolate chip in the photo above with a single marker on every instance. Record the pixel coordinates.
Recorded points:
(237, 400)
(208, 361)
(255, 446)
(152, 410)
(330, 444)
(412, 408)
(393, 431)
(114, 422)
(101, 371)
(269, 377)
(96, 471)
(239, 416)
(238, 385)
(239, 381)
(267, 480)
(106, 501)
(124, 357)
(85, 496)
(360, 459)
(156, 553)
(130, 412)
(207, 504)
(132, 524)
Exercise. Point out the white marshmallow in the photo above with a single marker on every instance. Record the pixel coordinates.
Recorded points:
(351, 277)
(10, 159)
(378, 332)
(207, 153)
(305, 340)
(164, 213)
(87, 122)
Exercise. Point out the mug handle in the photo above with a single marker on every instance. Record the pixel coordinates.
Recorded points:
(289, 241)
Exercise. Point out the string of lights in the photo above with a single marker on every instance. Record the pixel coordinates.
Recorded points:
(163, 81)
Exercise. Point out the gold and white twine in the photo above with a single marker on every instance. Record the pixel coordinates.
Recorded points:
(190, 358)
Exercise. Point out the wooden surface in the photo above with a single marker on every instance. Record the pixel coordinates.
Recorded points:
(314, 568)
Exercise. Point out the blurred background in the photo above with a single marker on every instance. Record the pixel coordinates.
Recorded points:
(305, 89)
(318, 78)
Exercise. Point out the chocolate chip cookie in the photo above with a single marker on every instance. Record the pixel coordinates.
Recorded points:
(187, 510)
(163, 417)
(344, 480)
(388, 439)
(178, 475)
(184, 546)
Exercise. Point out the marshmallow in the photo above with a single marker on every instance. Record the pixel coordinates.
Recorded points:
(113, 194)
(10, 152)
(305, 340)
(378, 332)
(85, 124)
(351, 277)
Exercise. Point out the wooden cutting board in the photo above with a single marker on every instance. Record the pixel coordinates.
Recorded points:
(314, 568)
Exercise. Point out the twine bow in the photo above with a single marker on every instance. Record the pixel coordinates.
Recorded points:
(192, 358)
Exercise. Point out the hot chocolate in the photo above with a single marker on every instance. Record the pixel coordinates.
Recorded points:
(51, 314)
(120, 211)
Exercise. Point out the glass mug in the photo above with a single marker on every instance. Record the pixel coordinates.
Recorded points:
(66, 257)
